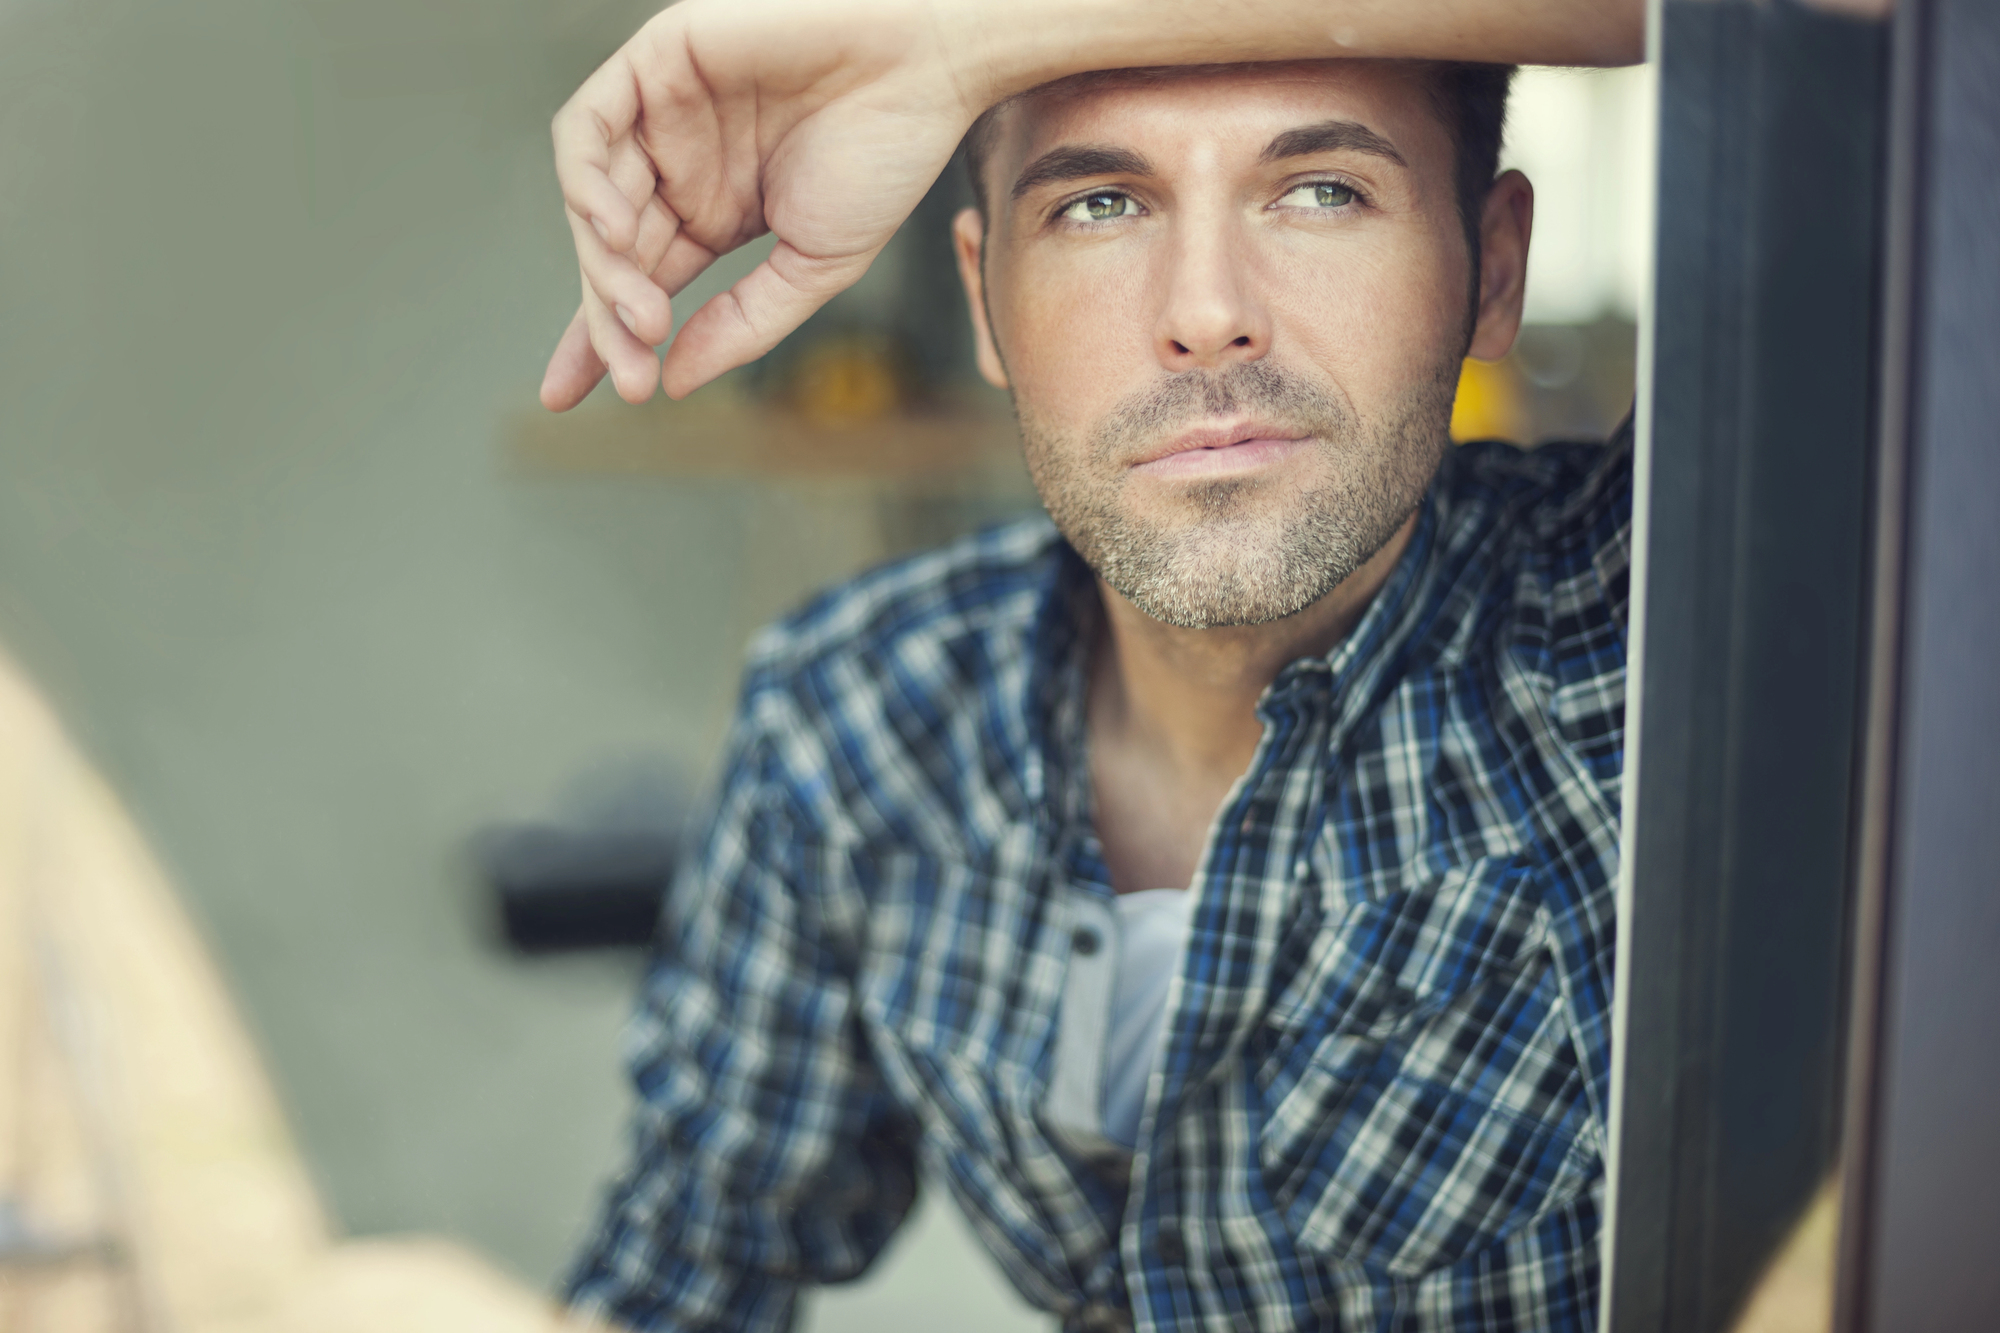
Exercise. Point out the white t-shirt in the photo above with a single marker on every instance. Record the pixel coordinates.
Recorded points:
(1152, 930)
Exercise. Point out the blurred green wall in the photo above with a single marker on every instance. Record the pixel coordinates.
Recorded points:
(273, 277)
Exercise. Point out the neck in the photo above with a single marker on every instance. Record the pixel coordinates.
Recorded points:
(1187, 698)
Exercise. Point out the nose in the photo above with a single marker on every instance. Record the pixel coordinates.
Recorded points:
(1210, 317)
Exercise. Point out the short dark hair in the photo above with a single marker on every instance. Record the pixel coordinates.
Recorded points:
(1470, 98)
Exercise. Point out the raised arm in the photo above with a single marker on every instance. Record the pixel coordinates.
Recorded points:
(824, 121)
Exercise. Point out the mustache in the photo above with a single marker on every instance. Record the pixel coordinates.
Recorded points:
(1256, 388)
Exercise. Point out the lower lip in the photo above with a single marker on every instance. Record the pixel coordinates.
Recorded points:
(1243, 456)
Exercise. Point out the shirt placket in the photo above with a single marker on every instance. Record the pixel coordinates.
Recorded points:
(1281, 789)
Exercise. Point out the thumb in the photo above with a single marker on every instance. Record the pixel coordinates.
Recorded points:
(752, 317)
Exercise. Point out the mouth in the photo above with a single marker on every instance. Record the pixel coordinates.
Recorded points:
(1222, 449)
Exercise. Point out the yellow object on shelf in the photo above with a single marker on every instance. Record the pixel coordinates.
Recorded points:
(847, 381)
(1488, 406)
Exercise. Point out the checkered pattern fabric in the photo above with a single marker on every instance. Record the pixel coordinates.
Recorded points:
(1382, 1099)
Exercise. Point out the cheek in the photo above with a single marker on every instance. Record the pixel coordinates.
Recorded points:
(1072, 329)
(1381, 317)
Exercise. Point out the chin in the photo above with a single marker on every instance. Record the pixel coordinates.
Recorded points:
(1211, 575)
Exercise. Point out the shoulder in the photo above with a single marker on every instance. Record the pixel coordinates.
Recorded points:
(990, 581)
(1550, 493)
(869, 703)
(1556, 520)
(1541, 543)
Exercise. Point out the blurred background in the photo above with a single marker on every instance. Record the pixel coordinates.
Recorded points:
(341, 629)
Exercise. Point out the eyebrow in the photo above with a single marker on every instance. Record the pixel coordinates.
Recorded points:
(1331, 136)
(1081, 161)
(1077, 161)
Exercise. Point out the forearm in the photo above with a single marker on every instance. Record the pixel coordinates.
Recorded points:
(1008, 46)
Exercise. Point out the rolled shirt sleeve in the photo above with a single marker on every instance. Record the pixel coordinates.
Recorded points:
(766, 1153)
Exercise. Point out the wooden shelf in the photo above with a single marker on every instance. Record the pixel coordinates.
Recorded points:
(720, 434)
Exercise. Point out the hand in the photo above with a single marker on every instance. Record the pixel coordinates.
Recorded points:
(722, 119)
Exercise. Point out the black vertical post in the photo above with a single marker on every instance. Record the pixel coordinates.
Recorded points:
(1922, 1204)
(1749, 679)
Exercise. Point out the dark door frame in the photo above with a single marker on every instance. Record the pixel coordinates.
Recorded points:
(1921, 1209)
(1813, 800)
(1753, 522)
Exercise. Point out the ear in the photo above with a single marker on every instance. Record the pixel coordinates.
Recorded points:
(968, 235)
(1504, 227)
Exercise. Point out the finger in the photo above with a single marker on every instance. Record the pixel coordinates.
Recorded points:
(633, 174)
(635, 369)
(750, 318)
(602, 112)
(574, 368)
(621, 285)
(685, 260)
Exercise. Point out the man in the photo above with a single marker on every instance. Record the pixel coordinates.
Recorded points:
(1351, 699)
(1212, 888)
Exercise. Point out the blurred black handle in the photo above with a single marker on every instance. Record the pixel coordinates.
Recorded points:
(562, 889)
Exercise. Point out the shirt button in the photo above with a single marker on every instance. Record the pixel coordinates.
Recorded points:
(1173, 1252)
(1084, 941)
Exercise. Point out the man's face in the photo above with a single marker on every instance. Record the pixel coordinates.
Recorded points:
(1231, 307)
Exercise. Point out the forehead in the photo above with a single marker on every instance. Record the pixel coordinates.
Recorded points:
(1233, 108)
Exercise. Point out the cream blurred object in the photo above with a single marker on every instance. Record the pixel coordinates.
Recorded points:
(1795, 1294)
(135, 1120)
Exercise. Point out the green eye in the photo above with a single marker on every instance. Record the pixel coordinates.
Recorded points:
(1100, 207)
(1320, 194)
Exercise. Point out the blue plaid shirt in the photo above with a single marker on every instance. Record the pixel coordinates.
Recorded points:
(1382, 1099)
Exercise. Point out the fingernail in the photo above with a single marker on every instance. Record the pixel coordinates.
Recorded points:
(603, 233)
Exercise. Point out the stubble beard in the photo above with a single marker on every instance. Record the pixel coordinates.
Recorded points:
(1241, 551)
